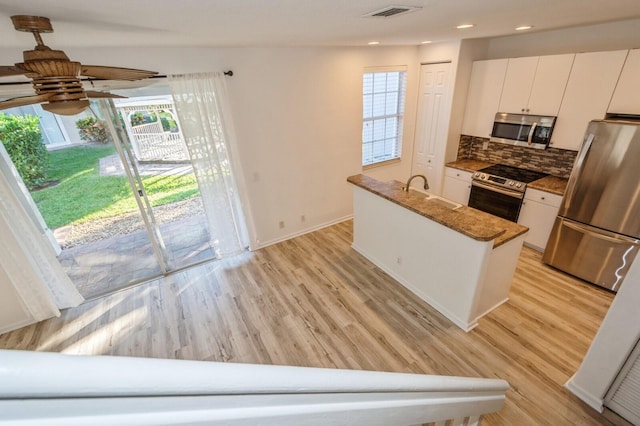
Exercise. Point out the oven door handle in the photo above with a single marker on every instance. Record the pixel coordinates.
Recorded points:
(531, 132)
(514, 194)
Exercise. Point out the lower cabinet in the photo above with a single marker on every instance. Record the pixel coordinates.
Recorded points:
(457, 185)
(539, 211)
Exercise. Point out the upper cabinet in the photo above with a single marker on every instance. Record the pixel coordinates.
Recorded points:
(549, 84)
(535, 85)
(591, 83)
(483, 97)
(625, 98)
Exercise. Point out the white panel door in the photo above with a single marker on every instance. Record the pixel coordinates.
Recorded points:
(433, 124)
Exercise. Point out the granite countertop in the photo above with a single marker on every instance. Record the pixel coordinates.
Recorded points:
(553, 184)
(469, 165)
(473, 223)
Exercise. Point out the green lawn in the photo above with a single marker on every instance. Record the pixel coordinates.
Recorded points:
(83, 195)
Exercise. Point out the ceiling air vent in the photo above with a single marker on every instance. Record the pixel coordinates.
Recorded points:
(391, 11)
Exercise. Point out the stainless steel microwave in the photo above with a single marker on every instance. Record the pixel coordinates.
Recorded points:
(533, 131)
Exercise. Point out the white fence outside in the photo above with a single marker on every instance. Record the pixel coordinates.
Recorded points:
(150, 141)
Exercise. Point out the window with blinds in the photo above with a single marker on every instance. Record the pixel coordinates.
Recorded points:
(383, 110)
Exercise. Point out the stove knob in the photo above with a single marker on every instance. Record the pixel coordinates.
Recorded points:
(511, 183)
(476, 175)
(518, 185)
(483, 176)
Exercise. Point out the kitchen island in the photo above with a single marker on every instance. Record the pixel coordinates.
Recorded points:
(459, 260)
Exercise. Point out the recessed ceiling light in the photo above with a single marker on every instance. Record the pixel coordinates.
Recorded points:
(464, 26)
(372, 43)
(425, 42)
(524, 27)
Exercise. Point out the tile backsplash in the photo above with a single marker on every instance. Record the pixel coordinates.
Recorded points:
(557, 162)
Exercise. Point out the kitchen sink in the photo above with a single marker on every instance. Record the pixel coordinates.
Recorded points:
(452, 205)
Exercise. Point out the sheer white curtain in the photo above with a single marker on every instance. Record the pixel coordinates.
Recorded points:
(205, 118)
(27, 259)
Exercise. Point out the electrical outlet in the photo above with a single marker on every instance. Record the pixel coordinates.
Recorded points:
(281, 224)
(399, 260)
(485, 145)
(303, 219)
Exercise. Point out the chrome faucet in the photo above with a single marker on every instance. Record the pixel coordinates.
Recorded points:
(426, 184)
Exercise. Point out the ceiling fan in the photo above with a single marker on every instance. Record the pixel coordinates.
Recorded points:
(55, 78)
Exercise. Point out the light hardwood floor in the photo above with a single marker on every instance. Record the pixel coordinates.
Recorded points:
(313, 301)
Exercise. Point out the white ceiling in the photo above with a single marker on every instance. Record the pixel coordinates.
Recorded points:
(79, 23)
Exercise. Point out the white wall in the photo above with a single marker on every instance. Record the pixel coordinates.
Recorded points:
(298, 119)
(614, 341)
(13, 313)
(589, 38)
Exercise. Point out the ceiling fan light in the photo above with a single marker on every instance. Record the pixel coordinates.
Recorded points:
(66, 107)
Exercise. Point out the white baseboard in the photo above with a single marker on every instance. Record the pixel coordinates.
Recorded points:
(450, 316)
(505, 300)
(263, 244)
(591, 400)
(534, 247)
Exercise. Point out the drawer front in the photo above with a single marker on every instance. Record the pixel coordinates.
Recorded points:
(458, 174)
(543, 197)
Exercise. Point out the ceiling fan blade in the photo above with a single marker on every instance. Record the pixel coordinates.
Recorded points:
(99, 95)
(8, 70)
(23, 100)
(115, 73)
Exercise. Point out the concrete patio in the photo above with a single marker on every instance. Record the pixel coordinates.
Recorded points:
(105, 266)
(115, 262)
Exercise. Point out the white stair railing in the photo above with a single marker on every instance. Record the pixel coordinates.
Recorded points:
(39, 388)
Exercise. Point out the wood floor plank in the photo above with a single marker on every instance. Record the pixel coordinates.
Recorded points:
(313, 301)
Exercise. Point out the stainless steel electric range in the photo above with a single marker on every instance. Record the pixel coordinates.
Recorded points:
(499, 189)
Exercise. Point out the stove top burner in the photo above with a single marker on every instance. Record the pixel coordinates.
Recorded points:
(509, 177)
(513, 173)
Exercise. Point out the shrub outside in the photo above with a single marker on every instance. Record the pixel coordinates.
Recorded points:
(22, 138)
(92, 130)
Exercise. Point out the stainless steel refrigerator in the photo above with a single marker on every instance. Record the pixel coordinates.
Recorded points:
(597, 232)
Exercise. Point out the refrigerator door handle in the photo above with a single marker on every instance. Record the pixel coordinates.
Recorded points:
(602, 235)
(577, 166)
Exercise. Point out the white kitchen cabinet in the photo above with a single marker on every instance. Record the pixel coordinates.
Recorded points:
(625, 98)
(591, 84)
(535, 85)
(538, 213)
(483, 97)
(457, 185)
(549, 84)
(518, 82)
